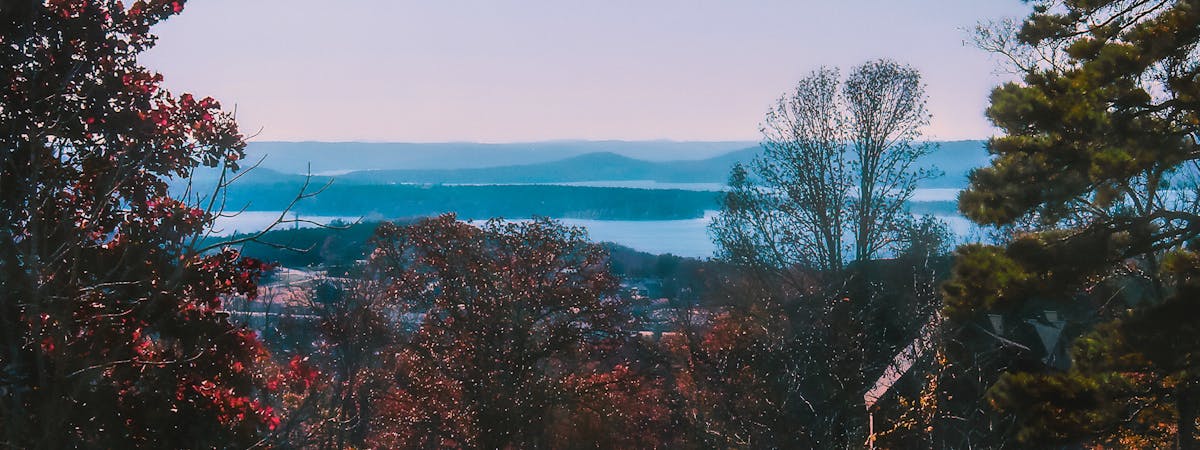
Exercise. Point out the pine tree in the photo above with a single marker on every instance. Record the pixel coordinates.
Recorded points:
(1095, 171)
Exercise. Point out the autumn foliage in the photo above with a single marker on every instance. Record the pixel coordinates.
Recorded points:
(519, 325)
(111, 324)
(1076, 327)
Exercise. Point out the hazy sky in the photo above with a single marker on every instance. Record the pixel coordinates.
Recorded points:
(531, 70)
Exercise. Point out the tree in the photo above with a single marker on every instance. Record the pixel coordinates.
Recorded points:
(839, 159)
(886, 103)
(111, 325)
(1099, 143)
(804, 339)
(515, 322)
(347, 328)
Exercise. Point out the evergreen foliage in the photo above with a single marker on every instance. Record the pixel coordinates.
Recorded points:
(1095, 170)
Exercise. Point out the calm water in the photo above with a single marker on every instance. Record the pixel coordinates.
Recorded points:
(678, 237)
(255, 221)
(690, 237)
(920, 195)
(935, 195)
(632, 184)
(687, 237)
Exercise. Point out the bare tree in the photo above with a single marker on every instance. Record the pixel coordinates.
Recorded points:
(839, 164)
(839, 160)
(886, 112)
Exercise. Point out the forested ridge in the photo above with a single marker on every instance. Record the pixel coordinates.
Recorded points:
(479, 202)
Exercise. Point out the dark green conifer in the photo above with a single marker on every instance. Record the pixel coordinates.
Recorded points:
(1095, 173)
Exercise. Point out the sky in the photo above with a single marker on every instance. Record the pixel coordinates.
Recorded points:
(536, 70)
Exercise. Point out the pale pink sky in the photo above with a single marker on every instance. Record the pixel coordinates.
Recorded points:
(517, 71)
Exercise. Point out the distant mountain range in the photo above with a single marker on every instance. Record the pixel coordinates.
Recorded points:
(602, 166)
(341, 157)
(954, 158)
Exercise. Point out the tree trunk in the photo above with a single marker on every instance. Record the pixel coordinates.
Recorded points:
(1185, 404)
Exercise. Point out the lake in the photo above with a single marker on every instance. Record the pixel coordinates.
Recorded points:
(255, 221)
(679, 237)
(687, 237)
(630, 184)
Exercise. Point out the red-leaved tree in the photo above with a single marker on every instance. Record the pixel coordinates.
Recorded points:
(111, 328)
(513, 325)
